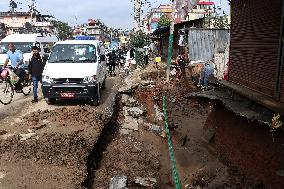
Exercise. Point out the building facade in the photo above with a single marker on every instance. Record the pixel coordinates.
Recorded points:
(202, 8)
(150, 22)
(22, 22)
(93, 28)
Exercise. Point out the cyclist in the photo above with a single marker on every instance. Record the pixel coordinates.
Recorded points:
(16, 58)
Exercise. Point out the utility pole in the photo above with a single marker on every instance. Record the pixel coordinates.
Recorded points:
(137, 14)
(32, 9)
(171, 39)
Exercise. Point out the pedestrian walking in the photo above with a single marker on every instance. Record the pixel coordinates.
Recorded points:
(146, 55)
(35, 68)
(207, 71)
(112, 63)
(132, 53)
(180, 65)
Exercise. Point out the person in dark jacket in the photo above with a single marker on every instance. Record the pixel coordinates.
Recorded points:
(35, 70)
(112, 63)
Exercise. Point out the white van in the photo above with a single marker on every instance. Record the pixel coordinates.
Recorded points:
(76, 69)
(24, 43)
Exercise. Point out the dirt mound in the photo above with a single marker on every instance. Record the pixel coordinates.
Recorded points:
(59, 137)
(66, 117)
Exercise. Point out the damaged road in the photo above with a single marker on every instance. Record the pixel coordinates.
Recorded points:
(122, 143)
(48, 146)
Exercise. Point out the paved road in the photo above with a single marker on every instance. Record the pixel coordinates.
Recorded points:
(22, 104)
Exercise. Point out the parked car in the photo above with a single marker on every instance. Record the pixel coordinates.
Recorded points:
(76, 69)
(24, 43)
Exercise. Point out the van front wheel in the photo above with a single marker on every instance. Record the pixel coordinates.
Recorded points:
(50, 101)
(104, 84)
(96, 101)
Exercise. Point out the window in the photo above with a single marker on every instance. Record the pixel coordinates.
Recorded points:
(73, 53)
(47, 47)
(24, 47)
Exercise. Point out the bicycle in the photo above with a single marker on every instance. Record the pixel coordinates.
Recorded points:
(7, 86)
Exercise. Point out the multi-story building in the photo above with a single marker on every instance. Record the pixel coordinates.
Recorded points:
(150, 22)
(93, 28)
(21, 22)
(202, 8)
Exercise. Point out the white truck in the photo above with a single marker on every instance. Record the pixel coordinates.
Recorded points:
(24, 43)
(76, 69)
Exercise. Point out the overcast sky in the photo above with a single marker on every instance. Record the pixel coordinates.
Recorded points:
(115, 13)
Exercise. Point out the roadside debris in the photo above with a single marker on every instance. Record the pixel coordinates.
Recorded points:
(146, 182)
(118, 182)
(25, 137)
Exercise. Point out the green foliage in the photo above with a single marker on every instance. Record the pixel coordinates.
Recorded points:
(63, 29)
(164, 21)
(217, 21)
(139, 39)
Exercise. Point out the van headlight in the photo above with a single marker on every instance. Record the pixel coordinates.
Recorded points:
(46, 79)
(90, 79)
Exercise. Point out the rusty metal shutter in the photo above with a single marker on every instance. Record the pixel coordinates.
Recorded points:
(255, 35)
(282, 81)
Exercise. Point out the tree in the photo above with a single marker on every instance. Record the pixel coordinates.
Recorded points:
(63, 29)
(217, 21)
(164, 21)
(139, 39)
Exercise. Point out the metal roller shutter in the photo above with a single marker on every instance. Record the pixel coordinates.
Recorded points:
(255, 35)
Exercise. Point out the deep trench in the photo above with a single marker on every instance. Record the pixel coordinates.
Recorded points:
(230, 131)
(96, 155)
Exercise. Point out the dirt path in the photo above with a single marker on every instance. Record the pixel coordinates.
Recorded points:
(71, 145)
(48, 146)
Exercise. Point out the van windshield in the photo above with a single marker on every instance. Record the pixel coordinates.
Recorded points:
(24, 47)
(73, 53)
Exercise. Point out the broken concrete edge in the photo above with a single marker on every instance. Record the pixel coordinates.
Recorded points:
(109, 110)
(228, 107)
(137, 79)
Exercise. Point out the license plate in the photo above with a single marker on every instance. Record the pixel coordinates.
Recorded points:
(67, 95)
